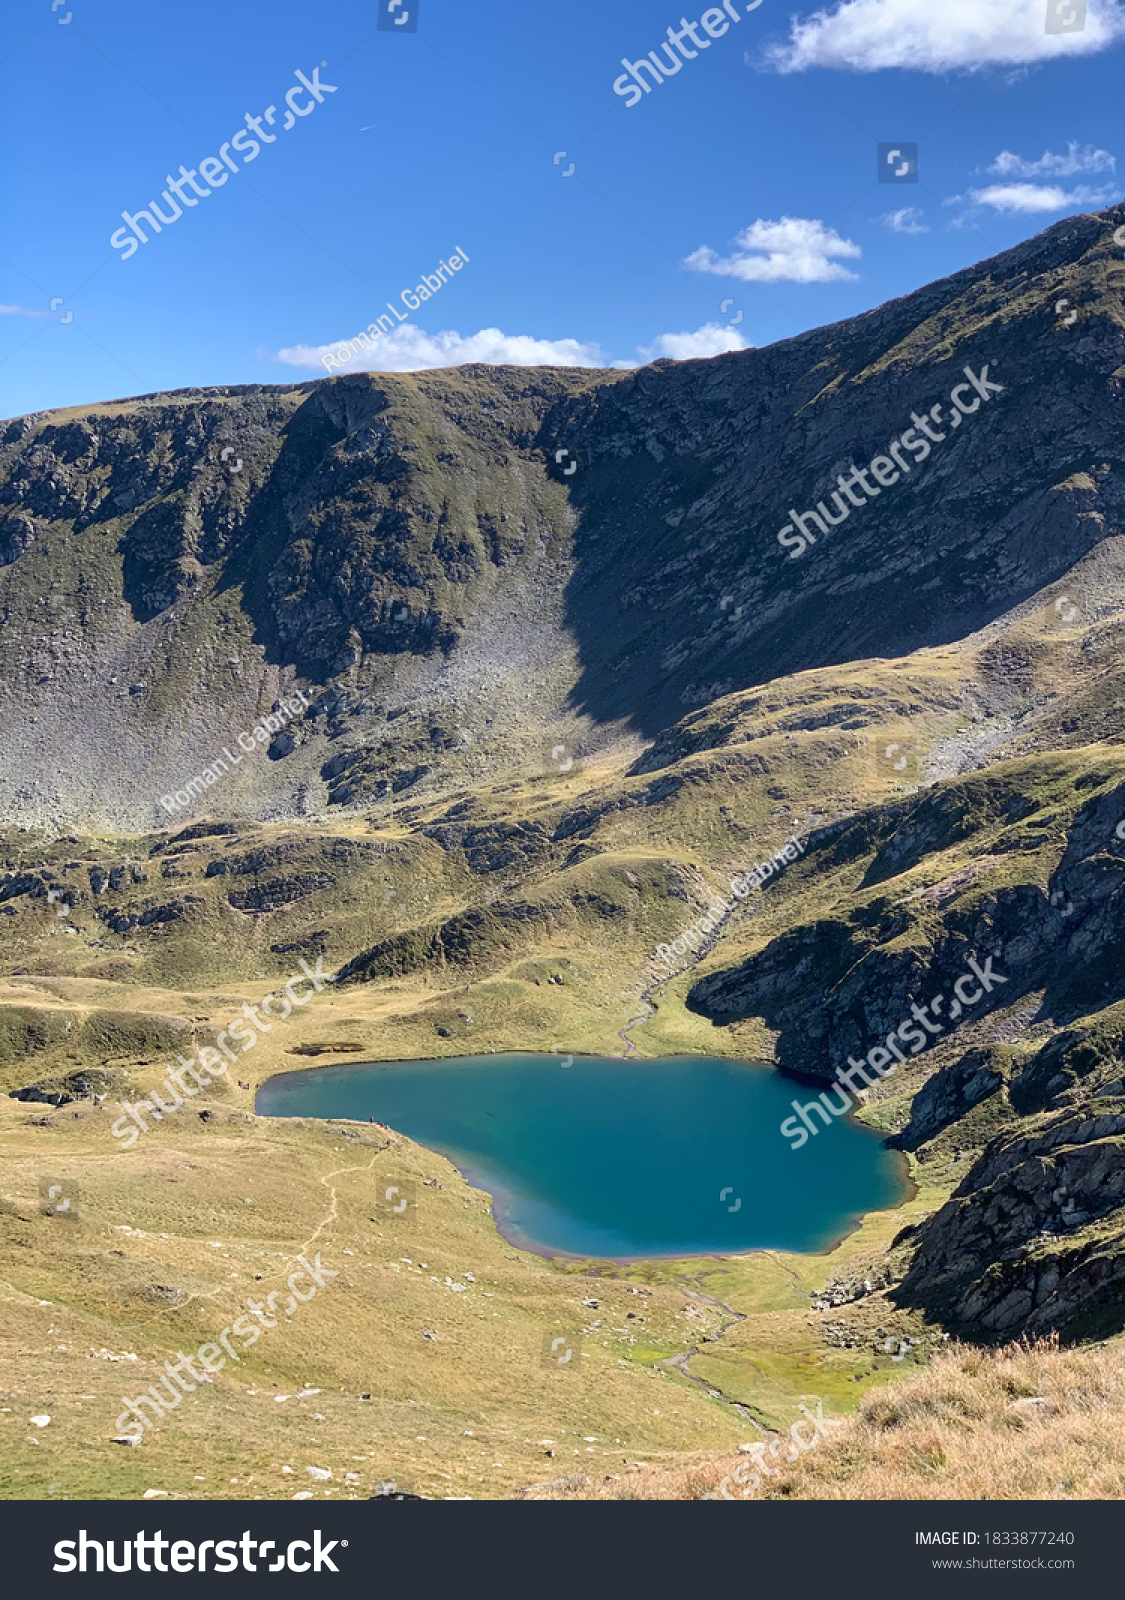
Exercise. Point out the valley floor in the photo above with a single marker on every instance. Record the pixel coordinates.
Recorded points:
(426, 1369)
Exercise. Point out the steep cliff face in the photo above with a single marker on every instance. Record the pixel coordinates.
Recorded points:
(176, 565)
(172, 566)
(695, 467)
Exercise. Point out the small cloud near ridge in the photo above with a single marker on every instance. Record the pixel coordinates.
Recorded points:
(792, 249)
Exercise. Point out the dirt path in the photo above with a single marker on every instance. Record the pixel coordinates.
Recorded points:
(648, 1013)
(336, 1173)
(275, 1274)
(679, 1362)
(648, 993)
(794, 1281)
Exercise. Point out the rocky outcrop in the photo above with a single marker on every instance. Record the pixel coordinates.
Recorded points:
(946, 1097)
(274, 893)
(152, 914)
(837, 987)
(490, 847)
(64, 1091)
(1013, 1251)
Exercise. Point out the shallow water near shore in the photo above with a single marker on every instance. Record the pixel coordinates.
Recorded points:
(619, 1158)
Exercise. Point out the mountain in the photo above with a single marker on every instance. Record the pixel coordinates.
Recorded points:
(404, 548)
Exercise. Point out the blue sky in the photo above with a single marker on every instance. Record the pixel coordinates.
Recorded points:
(748, 176)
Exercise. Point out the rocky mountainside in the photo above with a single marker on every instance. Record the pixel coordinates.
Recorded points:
(509, 728)
(410, 553)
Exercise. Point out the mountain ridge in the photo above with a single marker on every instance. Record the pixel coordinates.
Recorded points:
(355, 539)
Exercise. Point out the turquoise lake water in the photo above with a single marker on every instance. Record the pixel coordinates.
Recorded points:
(619, 1158)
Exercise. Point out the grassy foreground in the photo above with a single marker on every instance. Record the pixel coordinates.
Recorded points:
(421, 1363)
(1022, 1423)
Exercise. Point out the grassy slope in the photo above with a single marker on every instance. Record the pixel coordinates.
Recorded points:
(648, 876)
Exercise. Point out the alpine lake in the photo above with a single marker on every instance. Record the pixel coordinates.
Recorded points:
(620, 1158)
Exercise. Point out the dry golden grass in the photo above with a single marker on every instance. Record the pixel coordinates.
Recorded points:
(1028, 1422)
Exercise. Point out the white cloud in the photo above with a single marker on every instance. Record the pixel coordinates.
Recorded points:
(711, 340)
(21, 311)
(906, 220)
(1026, 199)
(937, 35)
(797, 249)
(408, 349)
(1008, 165)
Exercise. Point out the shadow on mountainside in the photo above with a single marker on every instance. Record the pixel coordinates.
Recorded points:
(681, 591)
